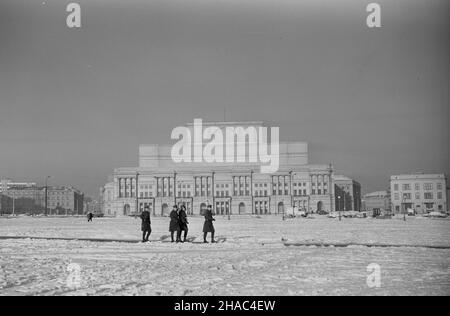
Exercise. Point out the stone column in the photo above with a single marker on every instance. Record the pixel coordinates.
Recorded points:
(271, 186)
(195, 187)
(290, 187)
(130, 180)
(240, 185)
(251, 183)
(175, 186)
(245, 185)
(137, 193)
(131, 186)
(164, 186)
(280, 184)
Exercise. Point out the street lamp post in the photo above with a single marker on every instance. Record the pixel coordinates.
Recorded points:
(46, 195)
(137, 194)
(404, 209)
(339, 198)
(14, 203)
(345, 206)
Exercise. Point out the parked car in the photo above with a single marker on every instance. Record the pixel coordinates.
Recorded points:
(333, 215)
(293, 212)
(350, 214)
(437, 215)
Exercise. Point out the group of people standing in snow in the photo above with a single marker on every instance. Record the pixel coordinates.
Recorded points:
(179, 224)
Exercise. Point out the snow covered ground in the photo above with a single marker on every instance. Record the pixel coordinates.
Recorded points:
(252, 260)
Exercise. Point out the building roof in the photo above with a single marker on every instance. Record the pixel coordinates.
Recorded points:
(338, 177)
(381, 194)
(419, 176)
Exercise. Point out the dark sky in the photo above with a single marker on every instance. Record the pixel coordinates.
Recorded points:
(76, 103)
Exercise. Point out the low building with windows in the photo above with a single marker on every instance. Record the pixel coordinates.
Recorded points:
(419, 193)
(6, 205)
(30, 198)
(65, 201)
(231, 188)
(6, 184)
(378, 203)
(24, 198)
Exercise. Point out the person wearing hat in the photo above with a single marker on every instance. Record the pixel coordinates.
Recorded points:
(174, 226)
(146, 224)
(208, 227)
(183, 223)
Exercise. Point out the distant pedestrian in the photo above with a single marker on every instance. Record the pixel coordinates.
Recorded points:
(89, 217)
(208, 227)
(174, 226)
(182, 216)
(146, 224)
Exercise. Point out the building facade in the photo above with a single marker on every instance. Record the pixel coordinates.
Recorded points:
(6, 184)
(28, 198)
(347, 194)
(231, 188)
(92, 206)
(6, 205)
(378, 202)
(420, 193)
(65, 201)
(24, 199)
(108, 197)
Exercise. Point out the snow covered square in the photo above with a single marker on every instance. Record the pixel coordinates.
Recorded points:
(256, 256)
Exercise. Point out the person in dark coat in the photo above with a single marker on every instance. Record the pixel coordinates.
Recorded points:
(208, 227)
(89, 217)
(182, 216)
(174, 226)
(146, 224)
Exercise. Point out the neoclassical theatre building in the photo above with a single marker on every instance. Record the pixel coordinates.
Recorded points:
(231, 188)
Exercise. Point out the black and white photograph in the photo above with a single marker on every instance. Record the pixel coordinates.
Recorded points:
(224, 155)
